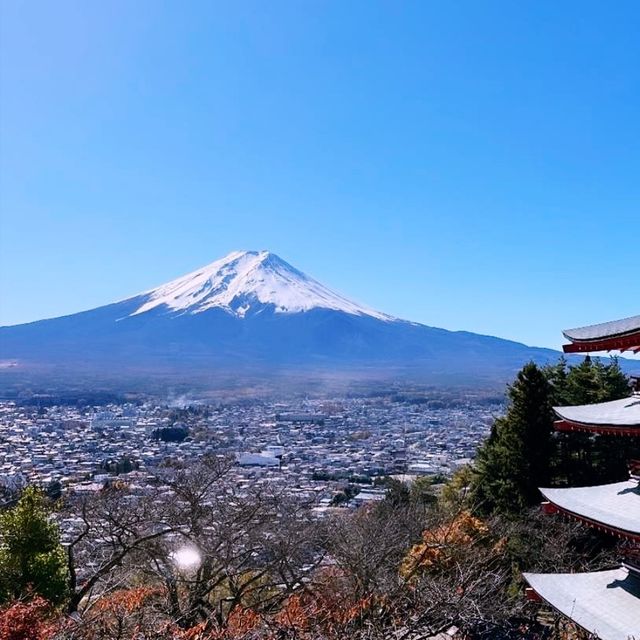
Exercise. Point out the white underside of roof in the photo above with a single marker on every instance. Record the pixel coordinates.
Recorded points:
(615, 505)
(617, 413)
(604, 330)
(606, 603)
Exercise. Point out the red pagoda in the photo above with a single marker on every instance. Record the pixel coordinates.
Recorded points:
(604, 603)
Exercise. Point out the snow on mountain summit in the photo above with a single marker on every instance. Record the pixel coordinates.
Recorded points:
(245, 282)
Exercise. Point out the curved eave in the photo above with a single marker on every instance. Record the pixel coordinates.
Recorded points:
(621, 417)
(614, 507)
(621, 343)
(616, 335)
(602, 429)
(605, 603)
(552, 507)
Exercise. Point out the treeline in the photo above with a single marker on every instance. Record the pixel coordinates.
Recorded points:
(354, 478)
(174, 433)
(524, 452)
(193, 556)
(79, 399)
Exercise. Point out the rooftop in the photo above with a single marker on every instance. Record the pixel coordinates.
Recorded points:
(616, 413)
(612, 329)
(615, 335)
(606, 603)
(616, 506)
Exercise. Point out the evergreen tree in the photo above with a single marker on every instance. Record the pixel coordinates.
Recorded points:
(515, 459)
(581, 458)
(32, 560)
(421, 491)
(556, 374)
(398, 493)
(591, 381)
(583, 384)
(616, 384)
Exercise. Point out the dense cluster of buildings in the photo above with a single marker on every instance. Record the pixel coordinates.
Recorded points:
(314, 446)
(317, 448)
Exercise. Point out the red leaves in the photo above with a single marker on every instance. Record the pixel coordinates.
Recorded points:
(26, 620)
(241, 623)
(125, 601)
(325, 609)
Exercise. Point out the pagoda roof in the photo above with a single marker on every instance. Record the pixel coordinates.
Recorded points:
(620, 335)
(613, 507)
(605, 603)
(595, 417)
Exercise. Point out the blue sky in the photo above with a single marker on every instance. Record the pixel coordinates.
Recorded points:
(470, 165)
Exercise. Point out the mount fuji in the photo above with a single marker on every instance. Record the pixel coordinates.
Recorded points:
(249, 282)
(253, 311)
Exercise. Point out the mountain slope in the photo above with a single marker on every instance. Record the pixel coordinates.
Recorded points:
(252, 309)
(247, 282)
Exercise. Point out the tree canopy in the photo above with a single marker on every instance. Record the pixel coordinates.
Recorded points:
(515, 459)
(523, 452)
(32, 560)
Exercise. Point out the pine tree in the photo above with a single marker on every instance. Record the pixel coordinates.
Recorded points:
(585, 459)
(515, 459)
(583, 384)
(32, 560)
(589, 382)
(615, 383)
(556, 374)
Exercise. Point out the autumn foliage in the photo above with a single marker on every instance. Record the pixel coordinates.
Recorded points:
(269, 570)
(439, 545)
(325, 610)
(26, 620)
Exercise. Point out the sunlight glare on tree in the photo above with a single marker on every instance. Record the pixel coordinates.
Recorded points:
(187, 558)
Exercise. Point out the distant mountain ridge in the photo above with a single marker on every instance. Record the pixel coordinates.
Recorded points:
(251, 309)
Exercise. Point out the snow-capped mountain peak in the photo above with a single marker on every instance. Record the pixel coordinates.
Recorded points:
(246, 282)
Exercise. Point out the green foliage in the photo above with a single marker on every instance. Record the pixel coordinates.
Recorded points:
(523, 452)
(344, 496)
(397, 494)
(421, 490)
(588, 382)
(354, 478)
(580, 458)
(170, 434)
(455, 492)
(123, 465)
(32, 560)
(515, 459)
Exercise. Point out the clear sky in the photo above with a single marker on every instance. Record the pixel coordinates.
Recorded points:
(469, 165)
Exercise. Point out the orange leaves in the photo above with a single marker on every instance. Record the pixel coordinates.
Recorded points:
(440, 544)
(28, 620)
(199, 632)
(241, 623)
(125, 601)
(126, 613)
(294, 615)
(328, 610)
